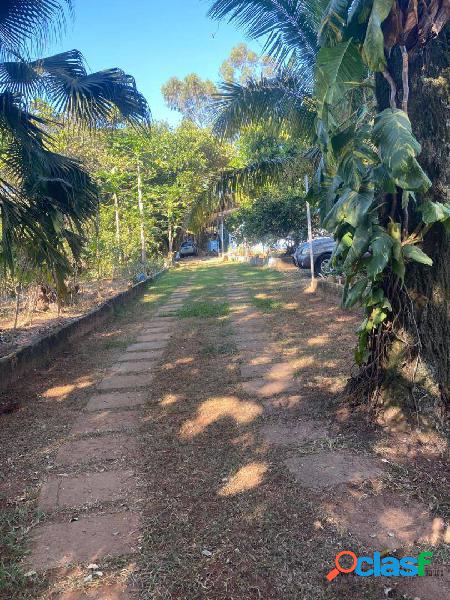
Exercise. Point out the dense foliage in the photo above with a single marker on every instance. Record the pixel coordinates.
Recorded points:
(147, 184)
(343, 86)
(46, 197)
(270, 218)
(369, 179)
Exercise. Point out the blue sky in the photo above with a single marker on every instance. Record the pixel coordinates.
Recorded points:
(152, 40)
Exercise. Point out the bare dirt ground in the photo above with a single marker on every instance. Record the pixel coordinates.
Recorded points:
(36, 323)
(238, 472)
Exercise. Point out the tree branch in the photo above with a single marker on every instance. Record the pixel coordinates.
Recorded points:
(405, 78)
(393, 87)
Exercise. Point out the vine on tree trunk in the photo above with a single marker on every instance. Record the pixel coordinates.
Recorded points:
(377, 197)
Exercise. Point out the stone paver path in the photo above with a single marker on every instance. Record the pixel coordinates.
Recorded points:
(91, 497)
(92, 469)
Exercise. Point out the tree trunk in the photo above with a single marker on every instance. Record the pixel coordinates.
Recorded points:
(141, 213)
(97, 240)
(170, 240)
(117, 221)
(417, 359)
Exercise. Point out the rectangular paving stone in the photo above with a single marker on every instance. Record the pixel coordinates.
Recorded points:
(138, 366)
(160, 330)
(106, 420)
(79, 452)
(85, 541)
(148, 356)
(156, 338)
(164, 333)
(116, 400)
(159, 320)
(143, 346)
(262, 388)
(88, 488)
(122, 382)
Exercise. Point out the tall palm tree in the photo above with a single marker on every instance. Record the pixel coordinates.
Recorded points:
(45, 198)
(374, 193)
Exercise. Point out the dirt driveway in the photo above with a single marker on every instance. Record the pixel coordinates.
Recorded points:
(198, 448)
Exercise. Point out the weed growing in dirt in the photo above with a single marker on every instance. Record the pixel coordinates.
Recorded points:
(204, 310)
(218, 349)
(13, 532)
(120, 344)
(266, 304)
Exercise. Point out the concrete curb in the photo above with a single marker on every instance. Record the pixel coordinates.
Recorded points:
(20, 363)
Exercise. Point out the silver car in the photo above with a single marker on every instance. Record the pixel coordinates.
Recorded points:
(188, 249)
(323, 248)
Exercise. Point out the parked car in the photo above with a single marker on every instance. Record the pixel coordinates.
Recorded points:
(188, 249)
(323, 248)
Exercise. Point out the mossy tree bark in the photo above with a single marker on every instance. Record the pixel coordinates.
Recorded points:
(416, 359)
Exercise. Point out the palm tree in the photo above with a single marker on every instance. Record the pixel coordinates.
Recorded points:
(281, 102)
(380, 94)
(45, 198)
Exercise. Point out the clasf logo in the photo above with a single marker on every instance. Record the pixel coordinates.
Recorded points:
(378, 566)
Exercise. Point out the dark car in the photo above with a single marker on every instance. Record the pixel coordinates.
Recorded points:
(188, 249)
(323, 248)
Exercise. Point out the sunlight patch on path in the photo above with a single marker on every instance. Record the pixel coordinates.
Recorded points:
(247, 478)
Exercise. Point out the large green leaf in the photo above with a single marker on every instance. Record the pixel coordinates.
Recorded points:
(398, 148)
(326, 190)
(381, 246)
(351, 207)
(373, 48)
(344, 244)
(417, 255)
(398, 264)
(353, 294)
(434, 212)
(359, 247)
(339, 69)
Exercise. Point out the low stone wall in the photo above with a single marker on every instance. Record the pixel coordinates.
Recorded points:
(22, 362)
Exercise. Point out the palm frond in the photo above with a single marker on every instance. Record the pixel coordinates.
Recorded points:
(85, 98)
(334, 22)
(281, 101)
(223, 191)
(27, 24)
(289, 26)
(91, 98)
(18, 125)
(45, 198)
(33, 79)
